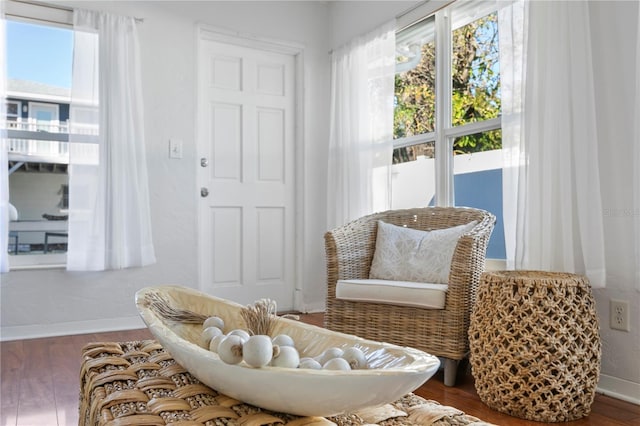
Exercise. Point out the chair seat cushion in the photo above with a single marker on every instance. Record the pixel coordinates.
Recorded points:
(405, 293)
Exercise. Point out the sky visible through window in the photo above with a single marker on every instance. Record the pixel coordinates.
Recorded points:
(39, 53)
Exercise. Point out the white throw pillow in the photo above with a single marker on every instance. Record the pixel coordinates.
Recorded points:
(405, 254)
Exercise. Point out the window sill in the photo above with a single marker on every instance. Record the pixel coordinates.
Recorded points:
(495, 264)
(37, 261)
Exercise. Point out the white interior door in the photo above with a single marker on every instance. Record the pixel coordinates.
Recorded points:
(246, 143)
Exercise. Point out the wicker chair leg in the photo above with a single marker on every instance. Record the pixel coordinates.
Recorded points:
(450, 371)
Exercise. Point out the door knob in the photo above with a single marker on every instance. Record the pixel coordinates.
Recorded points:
(204, 192)
(204, 162)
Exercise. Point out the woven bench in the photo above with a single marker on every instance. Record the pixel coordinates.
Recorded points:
(139, 383)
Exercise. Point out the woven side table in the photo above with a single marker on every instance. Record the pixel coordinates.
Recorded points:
(535, 344)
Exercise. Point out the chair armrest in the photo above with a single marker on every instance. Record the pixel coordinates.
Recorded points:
(349, 252)
(467, 263)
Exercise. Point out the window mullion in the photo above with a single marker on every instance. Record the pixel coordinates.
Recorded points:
(443, 144)
(475, 127)
(414, 140)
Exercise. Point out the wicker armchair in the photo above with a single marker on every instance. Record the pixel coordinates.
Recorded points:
(440, 332)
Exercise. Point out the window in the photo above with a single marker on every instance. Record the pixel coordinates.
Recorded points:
(38, 97)
(100, 224)
(447, 120)
(13, 110)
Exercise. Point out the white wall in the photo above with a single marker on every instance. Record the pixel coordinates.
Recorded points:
(350, 19)
(614, 28)
(44, 302)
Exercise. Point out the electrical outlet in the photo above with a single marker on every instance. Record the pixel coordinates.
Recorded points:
(619, 315)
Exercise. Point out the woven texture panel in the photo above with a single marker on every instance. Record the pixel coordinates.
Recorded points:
(535, 344)
(139, 383)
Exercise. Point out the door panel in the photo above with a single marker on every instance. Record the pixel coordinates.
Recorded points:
(271, 144)
(226, 237)
(271, 235)
(226, 141)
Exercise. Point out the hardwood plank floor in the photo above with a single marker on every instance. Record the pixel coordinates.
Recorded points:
(39, 385)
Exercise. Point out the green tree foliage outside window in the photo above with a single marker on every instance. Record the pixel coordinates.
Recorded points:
(475, 91)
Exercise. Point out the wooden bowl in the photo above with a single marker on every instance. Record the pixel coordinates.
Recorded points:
(393, 371)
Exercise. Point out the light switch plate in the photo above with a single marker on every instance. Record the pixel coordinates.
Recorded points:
(175, 148)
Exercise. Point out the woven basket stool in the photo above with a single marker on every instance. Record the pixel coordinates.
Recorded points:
(535, 344)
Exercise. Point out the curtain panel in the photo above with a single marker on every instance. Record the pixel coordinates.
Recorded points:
(361, 126)
(512, 32)
(636, 163)
(4, 155)
(109, 215)
(552, 178)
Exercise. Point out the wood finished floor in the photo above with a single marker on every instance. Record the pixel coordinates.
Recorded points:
(40, 383)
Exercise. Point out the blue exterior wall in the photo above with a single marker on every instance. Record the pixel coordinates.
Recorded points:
(483, 190)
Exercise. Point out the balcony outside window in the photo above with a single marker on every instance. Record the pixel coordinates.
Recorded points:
(38, 98)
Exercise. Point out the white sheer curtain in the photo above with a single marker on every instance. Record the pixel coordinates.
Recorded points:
(552, 163)
(512, 31)
(361, 126)
(109, 217)
(4, 166)
(636, 163)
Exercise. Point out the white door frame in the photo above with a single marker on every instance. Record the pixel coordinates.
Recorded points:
(212, 33)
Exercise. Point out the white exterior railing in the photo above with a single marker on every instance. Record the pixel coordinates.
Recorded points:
(30, 140)
(47, 151)
(33, 125)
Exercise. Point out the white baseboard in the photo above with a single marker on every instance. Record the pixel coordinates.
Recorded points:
(619, 389)
(313, 308)
(68, 328)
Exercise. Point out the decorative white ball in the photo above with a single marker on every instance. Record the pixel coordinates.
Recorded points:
(230, 349)
(336, 364)
(329, 354)
(283, 340)
(309, 363)
(208, 334)
(257, 351)
(355, 357)
(240, 332)
(215, 342)
(287, 358)
(214, 322)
